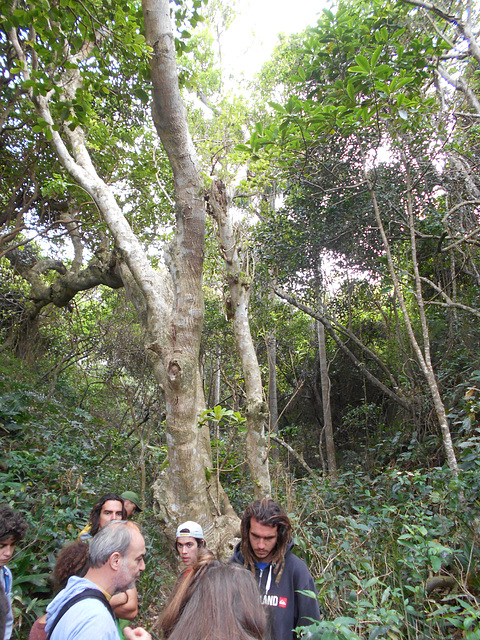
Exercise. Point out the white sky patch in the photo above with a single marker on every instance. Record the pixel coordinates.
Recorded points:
(250, 41)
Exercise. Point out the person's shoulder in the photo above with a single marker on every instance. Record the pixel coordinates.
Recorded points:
(85, 533)
(83, 620)
(295, 564)
(7, 571)
(236, 556)
(75, 586)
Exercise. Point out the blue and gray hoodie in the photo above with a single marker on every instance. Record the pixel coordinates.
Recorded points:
(287, 608)
(86, 619)
(6, 580)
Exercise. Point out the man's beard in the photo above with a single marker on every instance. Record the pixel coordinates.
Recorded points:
(124, 579)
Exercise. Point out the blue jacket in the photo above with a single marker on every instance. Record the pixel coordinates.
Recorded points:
(85, 620)
(6, 580)
(287, 608)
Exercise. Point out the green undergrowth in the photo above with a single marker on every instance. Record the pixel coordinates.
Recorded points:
(394, 552)
(396, 555)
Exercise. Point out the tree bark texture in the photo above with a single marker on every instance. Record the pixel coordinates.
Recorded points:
(271, 343)
(185, 494)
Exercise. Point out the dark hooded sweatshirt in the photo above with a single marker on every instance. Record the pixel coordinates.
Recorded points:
(287, 609)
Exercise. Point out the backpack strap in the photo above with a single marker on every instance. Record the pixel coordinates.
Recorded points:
(87, 593)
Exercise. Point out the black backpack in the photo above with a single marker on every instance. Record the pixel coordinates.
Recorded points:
(88, 593)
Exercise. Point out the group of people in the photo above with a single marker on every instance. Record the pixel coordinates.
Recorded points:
(264, 592)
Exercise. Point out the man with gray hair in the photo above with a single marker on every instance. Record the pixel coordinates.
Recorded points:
(82, 611)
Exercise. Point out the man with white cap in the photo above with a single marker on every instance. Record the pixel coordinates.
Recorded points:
(189, 541)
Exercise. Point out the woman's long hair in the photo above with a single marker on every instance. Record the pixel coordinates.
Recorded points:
(183, 590)
(224, 604)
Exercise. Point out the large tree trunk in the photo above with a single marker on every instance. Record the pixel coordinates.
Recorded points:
(239, 287)
(182, 492)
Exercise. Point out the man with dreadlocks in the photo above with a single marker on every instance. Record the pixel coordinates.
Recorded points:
(266, 549)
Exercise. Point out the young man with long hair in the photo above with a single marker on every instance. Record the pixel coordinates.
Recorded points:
(266, 550)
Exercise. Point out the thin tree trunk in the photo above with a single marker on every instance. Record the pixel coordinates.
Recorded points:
(332, 331)
(271, 343)
(423, 358)
(217, 378)
(327, 414)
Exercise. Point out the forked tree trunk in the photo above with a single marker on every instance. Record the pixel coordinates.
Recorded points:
(182, 492)
(239, 287)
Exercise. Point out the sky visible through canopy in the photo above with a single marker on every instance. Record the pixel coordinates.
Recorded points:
(254, 33)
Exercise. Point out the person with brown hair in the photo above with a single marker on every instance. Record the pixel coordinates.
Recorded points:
(109, 507)
(71, 561)
(112, 507)
(266, 550)
(189, 539)
(222, 602)
(183, 590)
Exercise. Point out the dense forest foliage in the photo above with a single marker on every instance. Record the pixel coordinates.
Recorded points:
(272, 291)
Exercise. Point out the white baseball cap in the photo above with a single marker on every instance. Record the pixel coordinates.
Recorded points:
(189, 528)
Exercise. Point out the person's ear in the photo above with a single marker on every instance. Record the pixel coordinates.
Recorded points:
(115, 561)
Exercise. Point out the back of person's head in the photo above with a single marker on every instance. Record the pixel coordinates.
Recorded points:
(12, 524)
(270, 514)
(224, 605)
(182, 591)
(94, 518)
(71, 561)
(114, 537)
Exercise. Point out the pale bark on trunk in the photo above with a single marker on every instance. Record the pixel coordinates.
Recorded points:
(327, 413)
(217, 379)
(423, 357)
(239, 287)
(171, 305)
(271, 343)
(189, 447)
